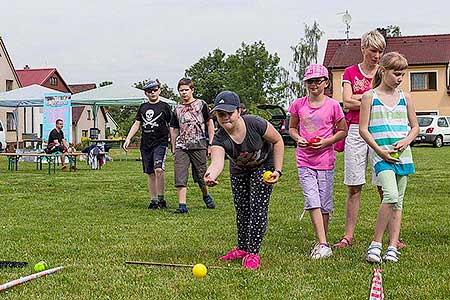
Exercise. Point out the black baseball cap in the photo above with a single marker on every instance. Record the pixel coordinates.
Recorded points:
(226, 101)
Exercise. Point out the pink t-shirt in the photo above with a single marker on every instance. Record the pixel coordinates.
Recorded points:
(360, 83)
(316, 121)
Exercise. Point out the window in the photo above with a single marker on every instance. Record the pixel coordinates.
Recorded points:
(442, 122)
(425, 81)
(424, 121)
(53, 81)
(9, 85)
(10, 122)
(84, 133)
(88, 114)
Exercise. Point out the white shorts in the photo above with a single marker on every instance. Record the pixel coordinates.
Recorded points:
(356, 158)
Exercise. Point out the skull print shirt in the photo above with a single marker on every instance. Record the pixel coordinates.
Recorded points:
(155, 119)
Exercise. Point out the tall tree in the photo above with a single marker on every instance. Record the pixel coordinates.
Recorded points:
(105, 83)
(253, 73)
(208, 75)
(304, 54)
(393, 31)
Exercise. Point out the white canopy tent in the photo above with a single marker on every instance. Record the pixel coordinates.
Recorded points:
(110, 95)
(113, 95)
(29, 96)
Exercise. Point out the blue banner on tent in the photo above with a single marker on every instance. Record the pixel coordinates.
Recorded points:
(57, 106)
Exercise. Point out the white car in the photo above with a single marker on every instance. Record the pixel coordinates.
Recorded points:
(433, 130)
(2, 138)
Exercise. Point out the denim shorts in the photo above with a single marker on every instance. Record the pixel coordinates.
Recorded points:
(317, 187)
(153, 158)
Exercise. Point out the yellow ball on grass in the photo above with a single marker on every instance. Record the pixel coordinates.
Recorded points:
(199, 271)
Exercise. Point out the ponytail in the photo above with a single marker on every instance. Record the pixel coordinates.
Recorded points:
(376, 81)
(389, 61)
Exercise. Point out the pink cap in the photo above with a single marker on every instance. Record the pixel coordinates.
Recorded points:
(315, 71)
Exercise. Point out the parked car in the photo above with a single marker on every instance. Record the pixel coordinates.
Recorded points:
(433, 130)
(2, 138)
(278, 117)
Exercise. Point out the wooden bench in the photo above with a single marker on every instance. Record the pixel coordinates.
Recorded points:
(52, 160)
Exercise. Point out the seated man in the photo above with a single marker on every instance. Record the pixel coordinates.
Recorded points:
(57, 143)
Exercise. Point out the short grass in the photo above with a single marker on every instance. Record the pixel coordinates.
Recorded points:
(93, 221)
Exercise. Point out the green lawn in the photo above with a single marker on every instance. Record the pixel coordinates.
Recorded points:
(93, 221)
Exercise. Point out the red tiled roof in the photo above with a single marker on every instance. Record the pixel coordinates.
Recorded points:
(34, 76)
(419, 50)
(78, 88)
(40, 76)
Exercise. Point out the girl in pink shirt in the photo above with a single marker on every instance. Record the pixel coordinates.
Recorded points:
(316, 123)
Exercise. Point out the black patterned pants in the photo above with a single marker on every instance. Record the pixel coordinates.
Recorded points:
(251, 201)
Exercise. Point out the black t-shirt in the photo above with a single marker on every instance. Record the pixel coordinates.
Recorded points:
(155, 119)
(55, 135)
(253, 152)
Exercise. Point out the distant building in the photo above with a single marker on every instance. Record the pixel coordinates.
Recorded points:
(8, 81)
(82, 117)
(427, 78)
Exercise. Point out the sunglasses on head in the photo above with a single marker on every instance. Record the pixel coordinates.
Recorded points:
(316, 80)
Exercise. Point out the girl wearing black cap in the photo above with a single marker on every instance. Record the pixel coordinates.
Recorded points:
(253, 147)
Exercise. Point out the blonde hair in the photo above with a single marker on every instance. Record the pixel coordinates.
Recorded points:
(390, 61)
(373, 39)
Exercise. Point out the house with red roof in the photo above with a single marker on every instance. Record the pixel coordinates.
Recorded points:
(8, 81)
(82, 117)
(427, 78)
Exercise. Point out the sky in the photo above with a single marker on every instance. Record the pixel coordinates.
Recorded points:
(128, 41)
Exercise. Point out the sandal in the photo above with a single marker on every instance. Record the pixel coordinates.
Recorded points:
(373, 254)
(345, 242)
(391, 255)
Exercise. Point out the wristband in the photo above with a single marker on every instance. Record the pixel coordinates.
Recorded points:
(279, 172)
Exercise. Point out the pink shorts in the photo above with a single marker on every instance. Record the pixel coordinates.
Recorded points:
(317, 186)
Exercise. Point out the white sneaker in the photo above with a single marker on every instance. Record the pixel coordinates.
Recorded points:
(321, 251)
(373, 254)
(391, 255)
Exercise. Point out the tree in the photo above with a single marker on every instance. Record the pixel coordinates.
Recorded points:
(253, 73)
(105, 83)
(304, 53)
(393, 31)
(208, 75)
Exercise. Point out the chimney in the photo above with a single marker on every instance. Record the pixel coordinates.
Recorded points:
(27, 67)
(383, 32)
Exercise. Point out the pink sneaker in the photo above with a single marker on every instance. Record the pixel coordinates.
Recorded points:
(251, 261)
(234, 254)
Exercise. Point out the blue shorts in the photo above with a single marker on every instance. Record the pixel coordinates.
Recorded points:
(153, 158)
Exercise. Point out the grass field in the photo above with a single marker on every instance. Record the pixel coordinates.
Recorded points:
(93, 221)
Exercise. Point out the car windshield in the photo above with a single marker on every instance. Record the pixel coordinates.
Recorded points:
(424, 121)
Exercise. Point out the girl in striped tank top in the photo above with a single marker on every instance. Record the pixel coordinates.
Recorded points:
(388, 124)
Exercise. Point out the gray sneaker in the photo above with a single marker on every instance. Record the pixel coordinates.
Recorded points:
(321, 251)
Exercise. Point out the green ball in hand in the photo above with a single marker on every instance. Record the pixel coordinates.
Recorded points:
(395, 155)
